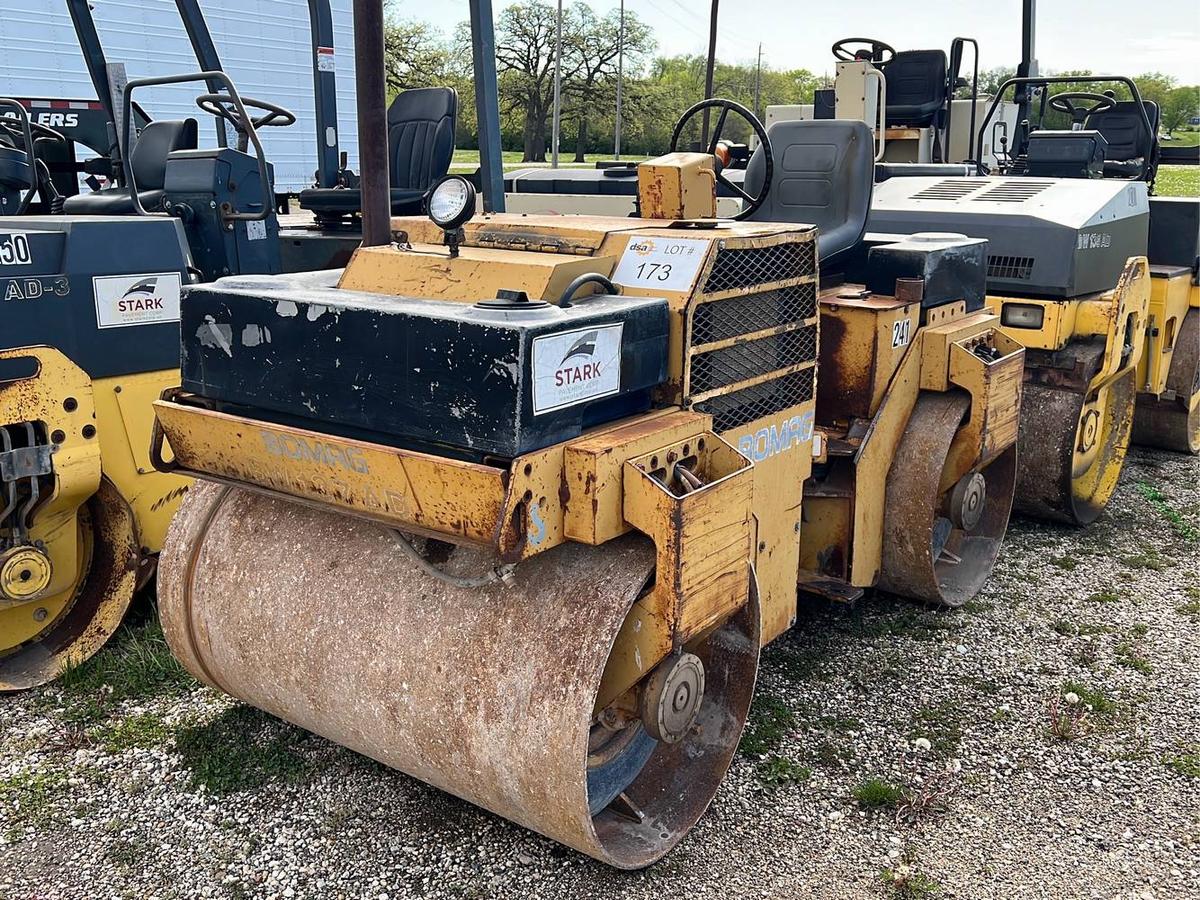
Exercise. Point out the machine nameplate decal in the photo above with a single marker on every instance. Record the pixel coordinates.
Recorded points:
(256, 230)
(773, 439)
(1094, 240)
(126, 300)
(668, 264)
(14, 249)
(570, 367)
(35, 287)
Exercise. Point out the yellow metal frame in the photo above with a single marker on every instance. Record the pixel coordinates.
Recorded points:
(1172, 294)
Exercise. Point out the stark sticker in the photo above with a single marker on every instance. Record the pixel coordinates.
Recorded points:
(573, 366)
(125, 300)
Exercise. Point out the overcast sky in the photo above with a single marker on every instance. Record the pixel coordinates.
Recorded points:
(1106, 36)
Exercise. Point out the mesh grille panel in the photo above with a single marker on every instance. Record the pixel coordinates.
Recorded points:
(743, 267)
(719, 368)
(734, 410)
(724, 319)
(1019, 268)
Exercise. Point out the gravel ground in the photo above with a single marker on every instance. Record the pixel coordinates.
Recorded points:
(892, 752)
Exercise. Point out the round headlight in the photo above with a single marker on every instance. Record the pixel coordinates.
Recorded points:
(451, 202)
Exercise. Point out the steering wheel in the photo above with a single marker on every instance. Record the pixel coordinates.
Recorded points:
(1063, 103)
(13, 127)
(222, 106)
(873, 51)
(752, 203)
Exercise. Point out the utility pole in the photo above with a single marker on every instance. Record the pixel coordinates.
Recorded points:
(557, 88)
(758, 82)
(620, 76)
(708, 71)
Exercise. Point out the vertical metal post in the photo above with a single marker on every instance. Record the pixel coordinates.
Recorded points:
(324, 92)
(206, 53)
(557, 116)
(93, 53)
(372, 122)
(620, 78)
(1028, 66)
(487, 105)
(708, 71)
(758, 82)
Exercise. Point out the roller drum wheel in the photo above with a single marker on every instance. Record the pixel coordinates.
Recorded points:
(939, 547)
(487, 693)
(1174, 423)
(1072, 449)
(92, 609)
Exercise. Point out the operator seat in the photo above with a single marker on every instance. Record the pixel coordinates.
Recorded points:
(16, 175)
(421, 124)
(1131, 151)
(916, 87)
(148, 160)
(824, 175)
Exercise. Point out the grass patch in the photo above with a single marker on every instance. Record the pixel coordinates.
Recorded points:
(941, 725)
(1068, 628)
(1177, 181)
(769, 722)
(1104, 597)
(1101, 704)
(1128, 656)
(140, 731)
(27, 799)
(908, 884)
(777, 771)
(240, 749)
(1146, 559)
(1162, 505)
(876, 793)
(136, 664)
(1186, 763)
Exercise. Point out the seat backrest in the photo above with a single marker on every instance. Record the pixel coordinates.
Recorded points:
(824, 174)
(157, 141)
(421, 126)
(1123, 128)
(916, 86)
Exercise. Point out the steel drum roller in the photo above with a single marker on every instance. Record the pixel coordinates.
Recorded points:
(486, 693)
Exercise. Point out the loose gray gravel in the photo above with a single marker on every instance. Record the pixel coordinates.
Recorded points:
(102, 789)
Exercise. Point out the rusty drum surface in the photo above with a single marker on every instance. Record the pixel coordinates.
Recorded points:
(485, 693)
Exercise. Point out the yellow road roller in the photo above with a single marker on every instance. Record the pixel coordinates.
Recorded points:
(1167, 414)
(90, 309)
(512, 502)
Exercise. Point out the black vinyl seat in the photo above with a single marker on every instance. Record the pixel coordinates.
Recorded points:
(916, 87)
(421, 124)
(148, 160)
(1131, 153)
(824, 175)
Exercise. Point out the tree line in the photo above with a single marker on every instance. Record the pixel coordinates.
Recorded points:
(656, 90)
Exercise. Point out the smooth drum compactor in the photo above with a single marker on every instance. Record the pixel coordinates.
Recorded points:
(511, 503)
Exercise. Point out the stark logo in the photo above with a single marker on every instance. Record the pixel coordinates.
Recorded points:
(142, 299)
(573, 366)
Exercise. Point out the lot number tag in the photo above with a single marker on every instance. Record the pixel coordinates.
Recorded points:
(665, 264)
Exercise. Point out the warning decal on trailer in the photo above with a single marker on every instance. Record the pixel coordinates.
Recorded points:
(324, 59)
(573, 366)
(125, 300)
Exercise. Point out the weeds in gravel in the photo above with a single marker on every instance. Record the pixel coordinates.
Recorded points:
(876, 793)
(1128, 655)
(940, 724)
(136, 664)
(1068, 628)
(1148, 558)
(241, 749)
(1094, 698)
(1067, 563)
(777, 771)
(1104, 597)
(1186, 763)
(1069, 717)
(907, 883)
(769, 722)
(927, 798)
(1162, 505)
(1191, 609)
(28, 798)
(142, 730)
